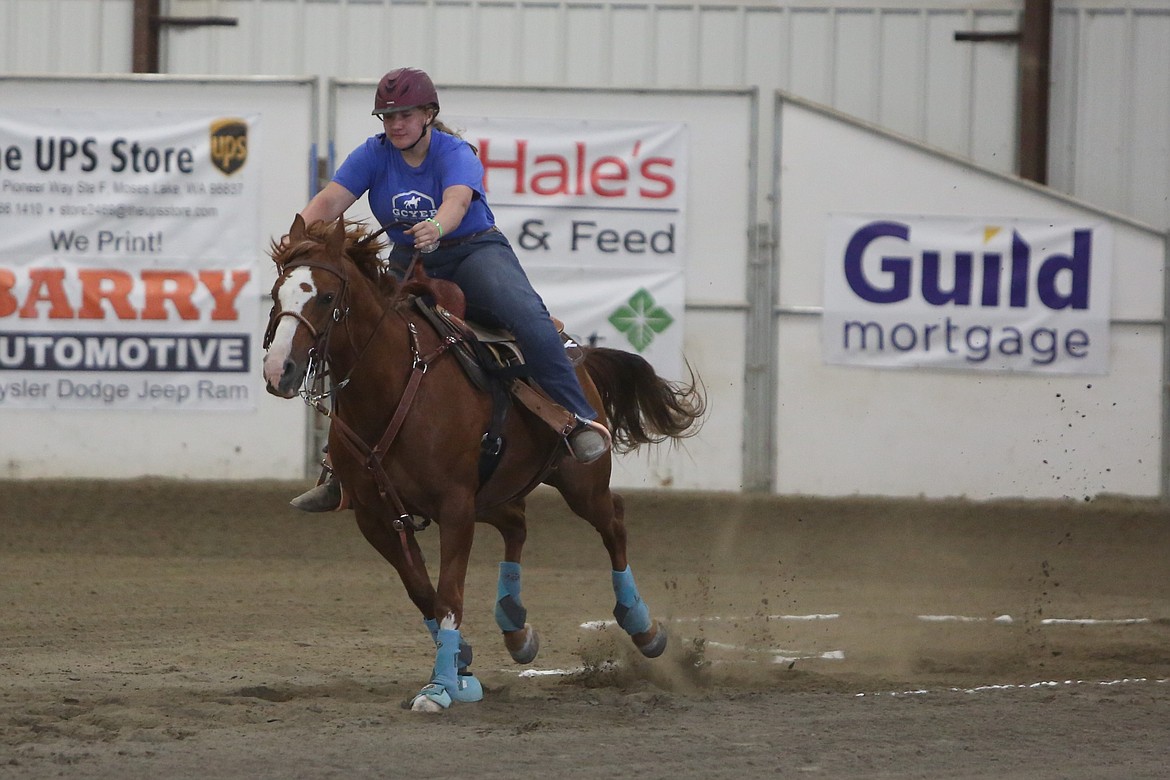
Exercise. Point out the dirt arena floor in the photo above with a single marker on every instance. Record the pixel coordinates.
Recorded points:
(158, 629)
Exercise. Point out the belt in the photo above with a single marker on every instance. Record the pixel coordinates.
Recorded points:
(450, 242)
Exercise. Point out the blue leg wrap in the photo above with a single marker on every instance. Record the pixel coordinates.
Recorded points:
(446, 670)
(631, 612)
(510, 612)
(465, 653)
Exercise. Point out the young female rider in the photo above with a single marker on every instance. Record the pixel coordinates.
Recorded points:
(419, 173)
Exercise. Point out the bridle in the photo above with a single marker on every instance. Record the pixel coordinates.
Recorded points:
(312, 389)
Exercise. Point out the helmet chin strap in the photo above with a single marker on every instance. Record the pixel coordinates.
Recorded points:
(422, 135)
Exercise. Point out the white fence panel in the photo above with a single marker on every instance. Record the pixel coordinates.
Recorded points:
(843, 430)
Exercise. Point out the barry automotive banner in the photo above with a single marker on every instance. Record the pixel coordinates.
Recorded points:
(596, 211)
(968, 293)
(127, 246)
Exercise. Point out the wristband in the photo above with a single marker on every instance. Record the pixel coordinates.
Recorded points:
(436, 223)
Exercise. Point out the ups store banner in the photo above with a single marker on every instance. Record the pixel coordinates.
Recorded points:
(126, 260)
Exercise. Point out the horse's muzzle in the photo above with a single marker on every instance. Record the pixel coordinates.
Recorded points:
(286, 381)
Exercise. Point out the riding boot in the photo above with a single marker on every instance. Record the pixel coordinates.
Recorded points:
(589, 441)
(326, 497)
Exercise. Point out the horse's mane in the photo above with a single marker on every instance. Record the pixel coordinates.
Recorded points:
(363, 253)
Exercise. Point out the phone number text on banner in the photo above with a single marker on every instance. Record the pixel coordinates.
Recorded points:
(128, 242)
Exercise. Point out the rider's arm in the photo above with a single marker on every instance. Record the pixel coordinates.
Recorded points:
(328, 204)
(456, 200)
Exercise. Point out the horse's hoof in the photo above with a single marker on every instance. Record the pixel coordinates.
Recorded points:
(653, 642)
(468, 689)
(432, 698)
(523, 645)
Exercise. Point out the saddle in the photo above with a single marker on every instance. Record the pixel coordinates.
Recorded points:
(492, 360)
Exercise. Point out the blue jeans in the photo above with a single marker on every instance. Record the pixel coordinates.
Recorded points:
(499, 294)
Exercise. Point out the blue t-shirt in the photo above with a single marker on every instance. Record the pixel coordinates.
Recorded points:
(398, 193)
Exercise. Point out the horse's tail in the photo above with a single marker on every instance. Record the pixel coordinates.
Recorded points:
(642, 407)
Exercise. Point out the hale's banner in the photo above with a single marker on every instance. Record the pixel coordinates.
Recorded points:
(969, 293)
(596, 211)
(127, 249)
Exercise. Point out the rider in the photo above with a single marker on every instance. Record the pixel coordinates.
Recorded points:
(419, 172)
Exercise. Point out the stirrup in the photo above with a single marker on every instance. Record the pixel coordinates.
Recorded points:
(588, 441)
(326, 497)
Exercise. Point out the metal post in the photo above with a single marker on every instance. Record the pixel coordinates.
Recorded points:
(145, 36)
(1164, 466)
(1035, 67)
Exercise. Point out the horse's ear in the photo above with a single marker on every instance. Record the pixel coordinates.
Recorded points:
(297, 231)
(336, 242)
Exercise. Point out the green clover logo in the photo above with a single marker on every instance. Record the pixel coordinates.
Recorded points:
(640, 318)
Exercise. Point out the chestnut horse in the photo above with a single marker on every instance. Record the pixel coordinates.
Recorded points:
(405, 439)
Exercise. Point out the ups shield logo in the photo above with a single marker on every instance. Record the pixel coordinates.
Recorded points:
(229, 144)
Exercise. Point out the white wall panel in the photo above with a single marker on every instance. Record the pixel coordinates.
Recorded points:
(994, 86)
(810, 54)
(540, 45)
(947, 106)
(634, 38)
(902, 76)
(895, 63)
(675, 62)
(586, 62)
(28, 36)
(844, 430)
(1110, 121)
(857, 66)
(720, 52)
(1149, 148)
(765, 41)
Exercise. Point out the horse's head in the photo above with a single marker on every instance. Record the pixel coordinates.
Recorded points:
(311, 294)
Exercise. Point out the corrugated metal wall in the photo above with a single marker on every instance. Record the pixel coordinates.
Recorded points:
(893, 63)
(1110, 128)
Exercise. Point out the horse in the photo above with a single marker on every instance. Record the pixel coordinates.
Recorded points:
(406, 435)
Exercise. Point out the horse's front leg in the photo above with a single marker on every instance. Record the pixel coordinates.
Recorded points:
(456, 534)
(403, 553)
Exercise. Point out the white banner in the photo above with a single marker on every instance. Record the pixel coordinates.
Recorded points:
(968, 293)
(128, 242)
(596, 211)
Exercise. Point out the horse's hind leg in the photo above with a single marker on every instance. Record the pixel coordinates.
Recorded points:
(605, 511)
(521, 639)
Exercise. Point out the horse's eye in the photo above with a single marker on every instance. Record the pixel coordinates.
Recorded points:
(326, 299)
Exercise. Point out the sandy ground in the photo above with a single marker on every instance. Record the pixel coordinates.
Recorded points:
(162, 629)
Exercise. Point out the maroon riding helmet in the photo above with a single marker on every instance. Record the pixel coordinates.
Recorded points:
(404, 88)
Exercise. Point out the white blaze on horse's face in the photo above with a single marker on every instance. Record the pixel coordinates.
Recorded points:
(295, 292)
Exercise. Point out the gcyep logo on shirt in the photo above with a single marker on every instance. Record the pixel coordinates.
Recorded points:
(413, 206)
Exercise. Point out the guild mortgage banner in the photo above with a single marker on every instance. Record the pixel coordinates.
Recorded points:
(127, 246)
(596, 211)
(968, 293)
